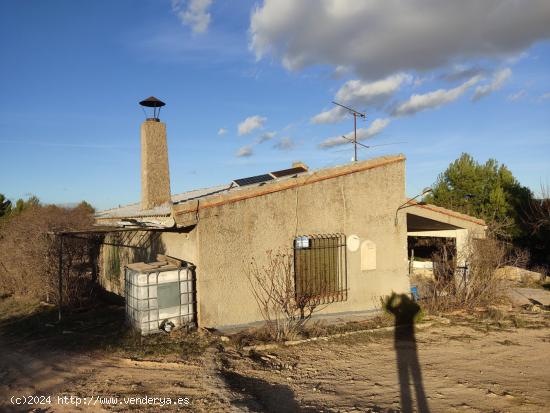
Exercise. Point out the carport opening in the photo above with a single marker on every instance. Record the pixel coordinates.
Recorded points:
(431, 257)
(431, 252)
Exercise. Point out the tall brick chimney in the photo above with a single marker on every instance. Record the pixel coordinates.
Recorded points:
(155, 176)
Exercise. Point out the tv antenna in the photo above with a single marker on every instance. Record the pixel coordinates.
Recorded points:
(355, 114)
(370, 146)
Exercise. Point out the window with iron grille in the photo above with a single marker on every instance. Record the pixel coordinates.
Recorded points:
(320, 268)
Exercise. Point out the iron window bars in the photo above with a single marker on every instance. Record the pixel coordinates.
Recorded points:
(320, 268)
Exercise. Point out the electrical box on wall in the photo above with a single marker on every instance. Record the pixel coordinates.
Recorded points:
(301, 242)
(368, 255)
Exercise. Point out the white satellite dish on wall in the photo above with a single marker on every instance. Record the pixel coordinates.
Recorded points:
(353, 243)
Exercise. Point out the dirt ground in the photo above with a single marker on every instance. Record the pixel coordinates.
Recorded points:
(498, 364)
(462, 369)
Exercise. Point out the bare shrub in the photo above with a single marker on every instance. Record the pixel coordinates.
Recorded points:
(272, 285)
(538, 211)
(543, 271)
(477, 284)
(29, 254)
(537, 219)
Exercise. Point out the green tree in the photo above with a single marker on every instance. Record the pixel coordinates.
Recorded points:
(21, 205)
(488, 191)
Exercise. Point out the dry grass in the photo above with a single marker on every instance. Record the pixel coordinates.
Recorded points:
(25, 321)
(17, 307)
(314, 329)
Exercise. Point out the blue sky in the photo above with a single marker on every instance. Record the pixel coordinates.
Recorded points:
(444, 80)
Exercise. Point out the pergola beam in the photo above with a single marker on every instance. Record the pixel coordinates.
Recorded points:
(79, 234)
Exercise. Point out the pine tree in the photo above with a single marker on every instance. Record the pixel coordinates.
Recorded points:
(488, 191)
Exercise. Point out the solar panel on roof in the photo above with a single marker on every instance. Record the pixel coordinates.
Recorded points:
(290, 171)
(253, 180)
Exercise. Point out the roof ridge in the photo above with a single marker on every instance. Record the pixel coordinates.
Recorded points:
(325, 172)
(310, 177)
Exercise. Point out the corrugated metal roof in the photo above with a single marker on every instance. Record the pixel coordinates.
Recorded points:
(134, 210)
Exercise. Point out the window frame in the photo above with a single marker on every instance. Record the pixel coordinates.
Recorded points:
(320, 259)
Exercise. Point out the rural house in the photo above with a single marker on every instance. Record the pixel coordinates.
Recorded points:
(346, 226)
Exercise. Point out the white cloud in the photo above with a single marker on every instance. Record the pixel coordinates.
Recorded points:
(496, 83)
(375, 38)
(222, 131)
(358, 92)
(266, 136)
(514, 97)
(285, 144)
(544, 96)
(250, 124)
(336, 114)
(340, 71)
(244, 152)
(377, 126)
(432, 100)
(461, 72)
(193, 13)
(373, 92)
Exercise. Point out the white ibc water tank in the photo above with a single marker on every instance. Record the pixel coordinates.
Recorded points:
(159, 296)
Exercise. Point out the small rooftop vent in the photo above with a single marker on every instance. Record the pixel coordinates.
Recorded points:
(253, 180)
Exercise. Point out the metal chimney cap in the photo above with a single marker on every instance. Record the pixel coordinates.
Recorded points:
(152, 102)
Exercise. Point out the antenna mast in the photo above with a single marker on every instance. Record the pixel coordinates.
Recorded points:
(355, 113)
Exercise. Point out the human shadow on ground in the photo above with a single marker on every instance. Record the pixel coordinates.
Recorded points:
(405, 310)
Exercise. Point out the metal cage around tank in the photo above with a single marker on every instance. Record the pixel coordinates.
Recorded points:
(159, 296)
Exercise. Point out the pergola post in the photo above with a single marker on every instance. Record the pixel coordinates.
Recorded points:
(60, 274)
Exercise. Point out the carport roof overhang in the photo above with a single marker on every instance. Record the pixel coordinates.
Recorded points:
(416, 223)
(433, 218)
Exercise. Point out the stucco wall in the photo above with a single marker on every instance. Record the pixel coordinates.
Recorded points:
(181, 244)
(362, 203)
